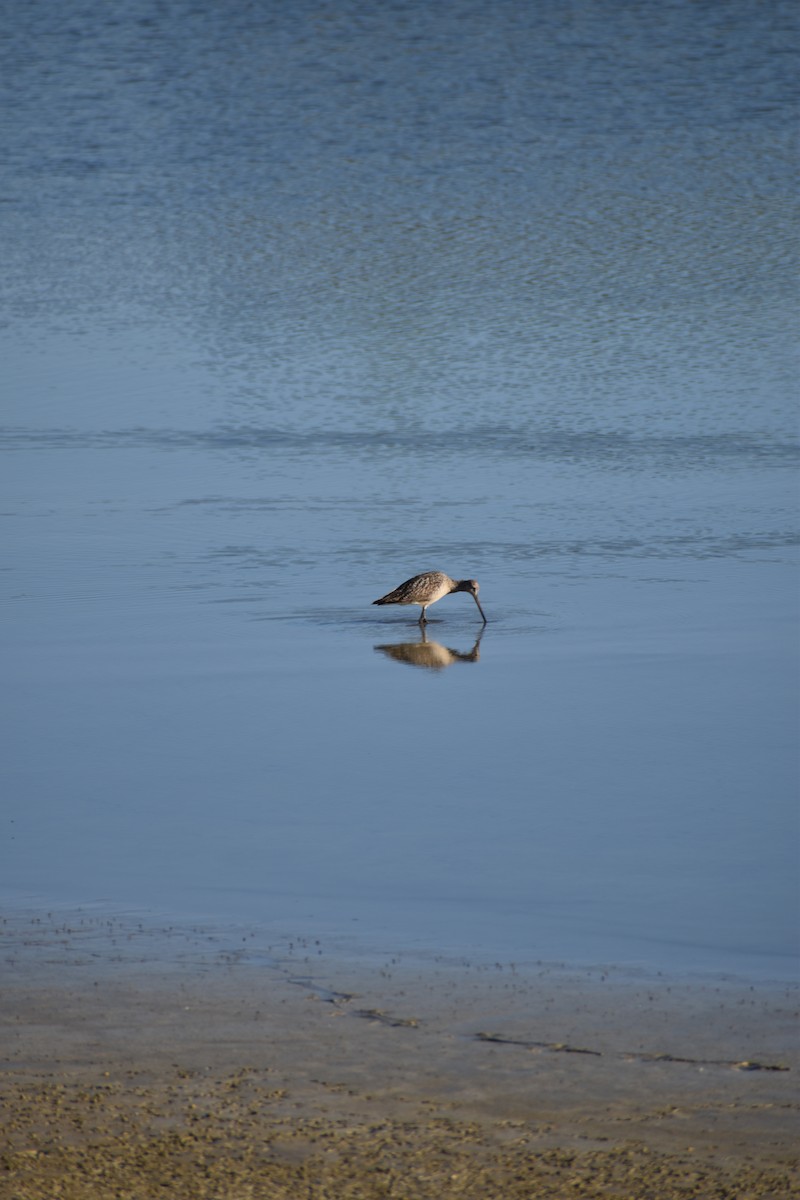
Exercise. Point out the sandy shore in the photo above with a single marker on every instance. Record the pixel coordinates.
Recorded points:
(139, 1061)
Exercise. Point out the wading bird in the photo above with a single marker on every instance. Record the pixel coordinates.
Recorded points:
(429, 587)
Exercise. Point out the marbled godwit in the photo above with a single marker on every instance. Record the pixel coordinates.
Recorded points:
(429, 587)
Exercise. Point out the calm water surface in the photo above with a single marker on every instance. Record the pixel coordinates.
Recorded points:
(300, 301)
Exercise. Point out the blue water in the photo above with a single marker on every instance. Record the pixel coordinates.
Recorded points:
(300, 301)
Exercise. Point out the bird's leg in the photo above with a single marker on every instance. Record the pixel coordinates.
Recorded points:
(423, 620)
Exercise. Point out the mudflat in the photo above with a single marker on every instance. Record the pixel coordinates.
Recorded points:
(140, 1060)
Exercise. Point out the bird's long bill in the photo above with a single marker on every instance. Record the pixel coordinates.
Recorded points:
(480, 610)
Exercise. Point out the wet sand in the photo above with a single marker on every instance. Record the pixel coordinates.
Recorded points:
(143, 1061)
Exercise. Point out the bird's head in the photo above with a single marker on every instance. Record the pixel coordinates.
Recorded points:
(471, 586)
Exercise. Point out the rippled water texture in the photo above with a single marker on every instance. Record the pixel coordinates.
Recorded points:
(303, 299)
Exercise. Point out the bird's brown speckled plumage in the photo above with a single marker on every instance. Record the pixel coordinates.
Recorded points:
(429, 587)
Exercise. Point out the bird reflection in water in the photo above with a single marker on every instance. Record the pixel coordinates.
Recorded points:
(432, 655)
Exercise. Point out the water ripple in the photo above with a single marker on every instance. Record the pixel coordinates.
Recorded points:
(612, 450)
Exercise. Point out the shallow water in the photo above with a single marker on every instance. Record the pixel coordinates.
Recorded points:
(301, 303)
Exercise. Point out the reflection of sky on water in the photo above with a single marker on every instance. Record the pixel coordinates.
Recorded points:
(301, 302)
